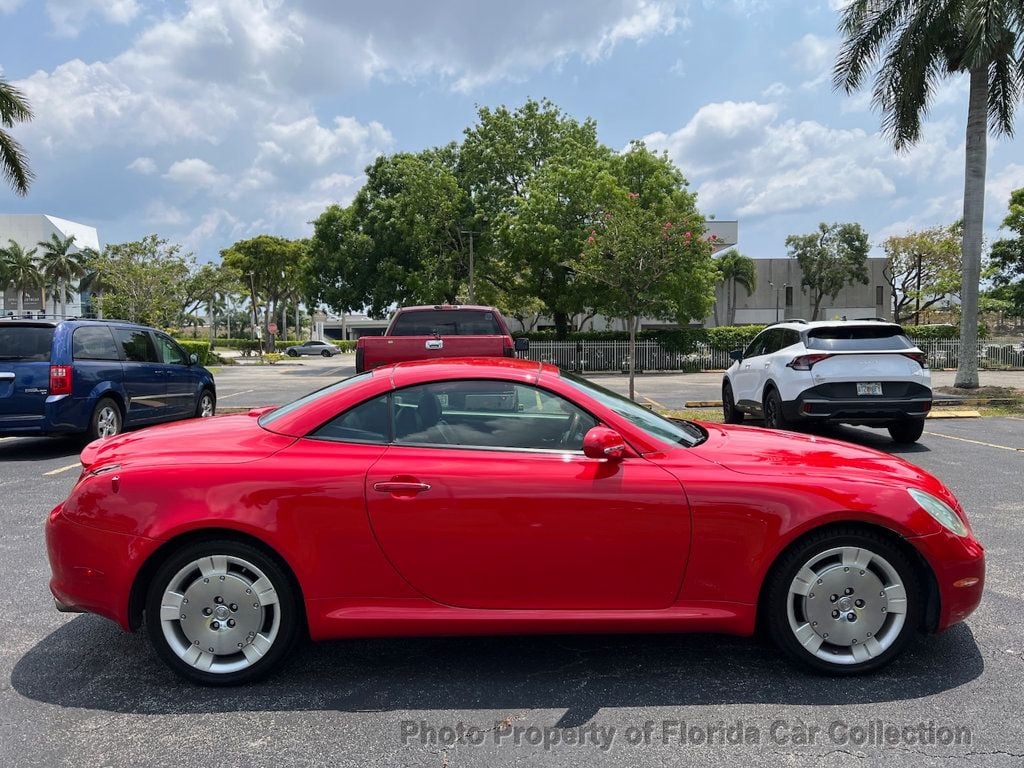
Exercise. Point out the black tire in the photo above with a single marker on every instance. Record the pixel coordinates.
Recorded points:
(285, 614)
(326, 353)
(772, 405)
(906, 432)
(731, 414)
(106, 415)
(775, 607)
(292, 353)
(206, 395)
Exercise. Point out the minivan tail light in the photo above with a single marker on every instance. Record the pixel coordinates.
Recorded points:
(918, 357)
(60, 379)
(805, 362)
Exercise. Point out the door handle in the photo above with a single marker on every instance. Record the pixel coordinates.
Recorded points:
(401, 487)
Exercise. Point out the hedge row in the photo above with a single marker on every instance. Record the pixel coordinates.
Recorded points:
(200, 349)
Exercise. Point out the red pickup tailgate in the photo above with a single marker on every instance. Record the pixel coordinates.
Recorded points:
(384, 350)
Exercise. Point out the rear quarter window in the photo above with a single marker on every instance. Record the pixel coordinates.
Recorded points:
(26, 343)
(858, 338)
(89, 343)
(446, 322)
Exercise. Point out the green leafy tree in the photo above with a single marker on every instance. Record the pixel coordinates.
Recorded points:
(340, 258)
(21, 268)
(831, 258)
(143, 280)
(206, 287)
(13, 161)
(912, 46)
(735, 269)
(272, 268)
(1008, 258)
(62, 263)
(647, 260)
(923, 268)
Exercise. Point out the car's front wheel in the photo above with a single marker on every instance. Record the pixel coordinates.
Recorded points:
(843, 601)
(730, 413)
(326, 353)
(221, 612)
(291, 353)
(907, 432)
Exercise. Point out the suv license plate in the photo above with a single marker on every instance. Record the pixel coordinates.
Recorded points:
(870, 388)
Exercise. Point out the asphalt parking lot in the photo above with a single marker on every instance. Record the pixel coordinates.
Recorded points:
(76, 691)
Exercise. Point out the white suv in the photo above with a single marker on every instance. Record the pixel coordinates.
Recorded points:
(850, 372)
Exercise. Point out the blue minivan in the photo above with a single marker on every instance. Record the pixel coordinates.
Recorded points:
(95, 377)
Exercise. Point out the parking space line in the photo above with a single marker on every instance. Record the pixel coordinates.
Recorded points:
(62, 469)
(652, 401)
(976, 442)
(235, 394)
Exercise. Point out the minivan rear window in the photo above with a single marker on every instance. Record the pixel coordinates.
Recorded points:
(26, 342)
(447, 322)
(855, 338)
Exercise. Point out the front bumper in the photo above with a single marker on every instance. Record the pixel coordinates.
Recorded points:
(93, 570)
(958, 563)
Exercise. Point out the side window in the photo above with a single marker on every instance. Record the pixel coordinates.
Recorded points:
(170, 353)
(137, 345)
(756, 347)
(488, 414)
(789, 338)
(93, 343)
(774, 341)
(366, 423)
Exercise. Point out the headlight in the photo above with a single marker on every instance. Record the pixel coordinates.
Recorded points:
(940, 510)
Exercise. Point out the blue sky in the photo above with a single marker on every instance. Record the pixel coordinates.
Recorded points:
(208, 121)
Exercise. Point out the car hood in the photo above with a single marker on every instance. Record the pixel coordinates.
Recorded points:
(233, 439)
(757, 451)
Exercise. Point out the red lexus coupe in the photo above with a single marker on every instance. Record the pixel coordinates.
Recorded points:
(502, 496)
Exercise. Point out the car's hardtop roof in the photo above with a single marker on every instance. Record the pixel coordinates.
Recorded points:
(806, 326)
(53, 323)
(446, 307)
(471, 367)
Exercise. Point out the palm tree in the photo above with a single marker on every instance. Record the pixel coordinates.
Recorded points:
(61, 265)
(914, 45)
(735, 268)
(13, 162)
(22, 270)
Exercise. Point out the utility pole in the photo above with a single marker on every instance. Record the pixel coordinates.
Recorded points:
(255, 309)
(917, 310)
(472, 291)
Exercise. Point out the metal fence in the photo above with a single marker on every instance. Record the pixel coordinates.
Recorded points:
(613, 356)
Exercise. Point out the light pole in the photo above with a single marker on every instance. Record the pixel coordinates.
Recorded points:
(777, 289)
(472, 292)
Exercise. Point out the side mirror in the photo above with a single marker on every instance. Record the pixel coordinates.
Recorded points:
(736, 354)
(193, 359)
(522, 345)
(603, 443)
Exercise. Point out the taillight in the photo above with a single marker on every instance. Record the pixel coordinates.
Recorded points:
(918, 357)
(805, 362)
(60, 379)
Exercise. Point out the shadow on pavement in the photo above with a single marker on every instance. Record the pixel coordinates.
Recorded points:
(40, 448)
(90, 663)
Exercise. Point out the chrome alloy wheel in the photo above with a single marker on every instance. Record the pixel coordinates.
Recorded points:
(220, 614)
(108, 421)
(206, 405)
(846, 605)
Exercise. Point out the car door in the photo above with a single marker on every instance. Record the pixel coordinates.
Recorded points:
(761, 369)
(485, 500)
(144, 379)
(745, 378)
(181, 378)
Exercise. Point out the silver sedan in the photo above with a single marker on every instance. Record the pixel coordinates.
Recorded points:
(324, 348)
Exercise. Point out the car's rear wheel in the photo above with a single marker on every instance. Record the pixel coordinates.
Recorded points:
(843, 601)
(326, 353)
(106, 419)
(221, 612)
(207, 405)
(730, 413)
(773, 418)
(907, 432)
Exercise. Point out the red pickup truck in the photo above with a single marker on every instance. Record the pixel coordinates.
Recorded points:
(444, 330)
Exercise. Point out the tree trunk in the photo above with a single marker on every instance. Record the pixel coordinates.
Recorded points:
(974, 212)
(732, 304)
(632, 355)
(561, 326)
(817, 306)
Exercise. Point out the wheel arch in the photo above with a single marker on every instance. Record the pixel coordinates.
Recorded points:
(923, 570)
(145, 574)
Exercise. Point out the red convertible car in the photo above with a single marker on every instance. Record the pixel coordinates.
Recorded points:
(502, 496)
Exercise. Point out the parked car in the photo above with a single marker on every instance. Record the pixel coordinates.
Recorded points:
(849, 372)
(444, 330)
(502, 496)
(97, 378)
(324, 348)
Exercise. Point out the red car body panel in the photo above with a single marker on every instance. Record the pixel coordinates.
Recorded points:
(388, 349)
(665, 539)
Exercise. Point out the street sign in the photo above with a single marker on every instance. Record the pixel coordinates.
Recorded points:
(272, 327)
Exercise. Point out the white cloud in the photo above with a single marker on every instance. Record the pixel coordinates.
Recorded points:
(144, 165)
(196, 173)
(775, 91)
(309, 142)
(68, 16)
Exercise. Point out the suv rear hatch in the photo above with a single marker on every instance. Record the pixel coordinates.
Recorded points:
(856, 353)
(24, 373)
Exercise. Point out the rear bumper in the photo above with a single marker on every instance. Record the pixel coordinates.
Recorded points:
(835, 403)
(60, 416)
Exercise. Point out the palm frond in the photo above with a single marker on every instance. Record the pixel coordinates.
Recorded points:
(14, 164)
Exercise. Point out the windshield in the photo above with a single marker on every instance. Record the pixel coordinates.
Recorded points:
(26, 342)
(674, 432)
(269, 418)
(855, 338)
